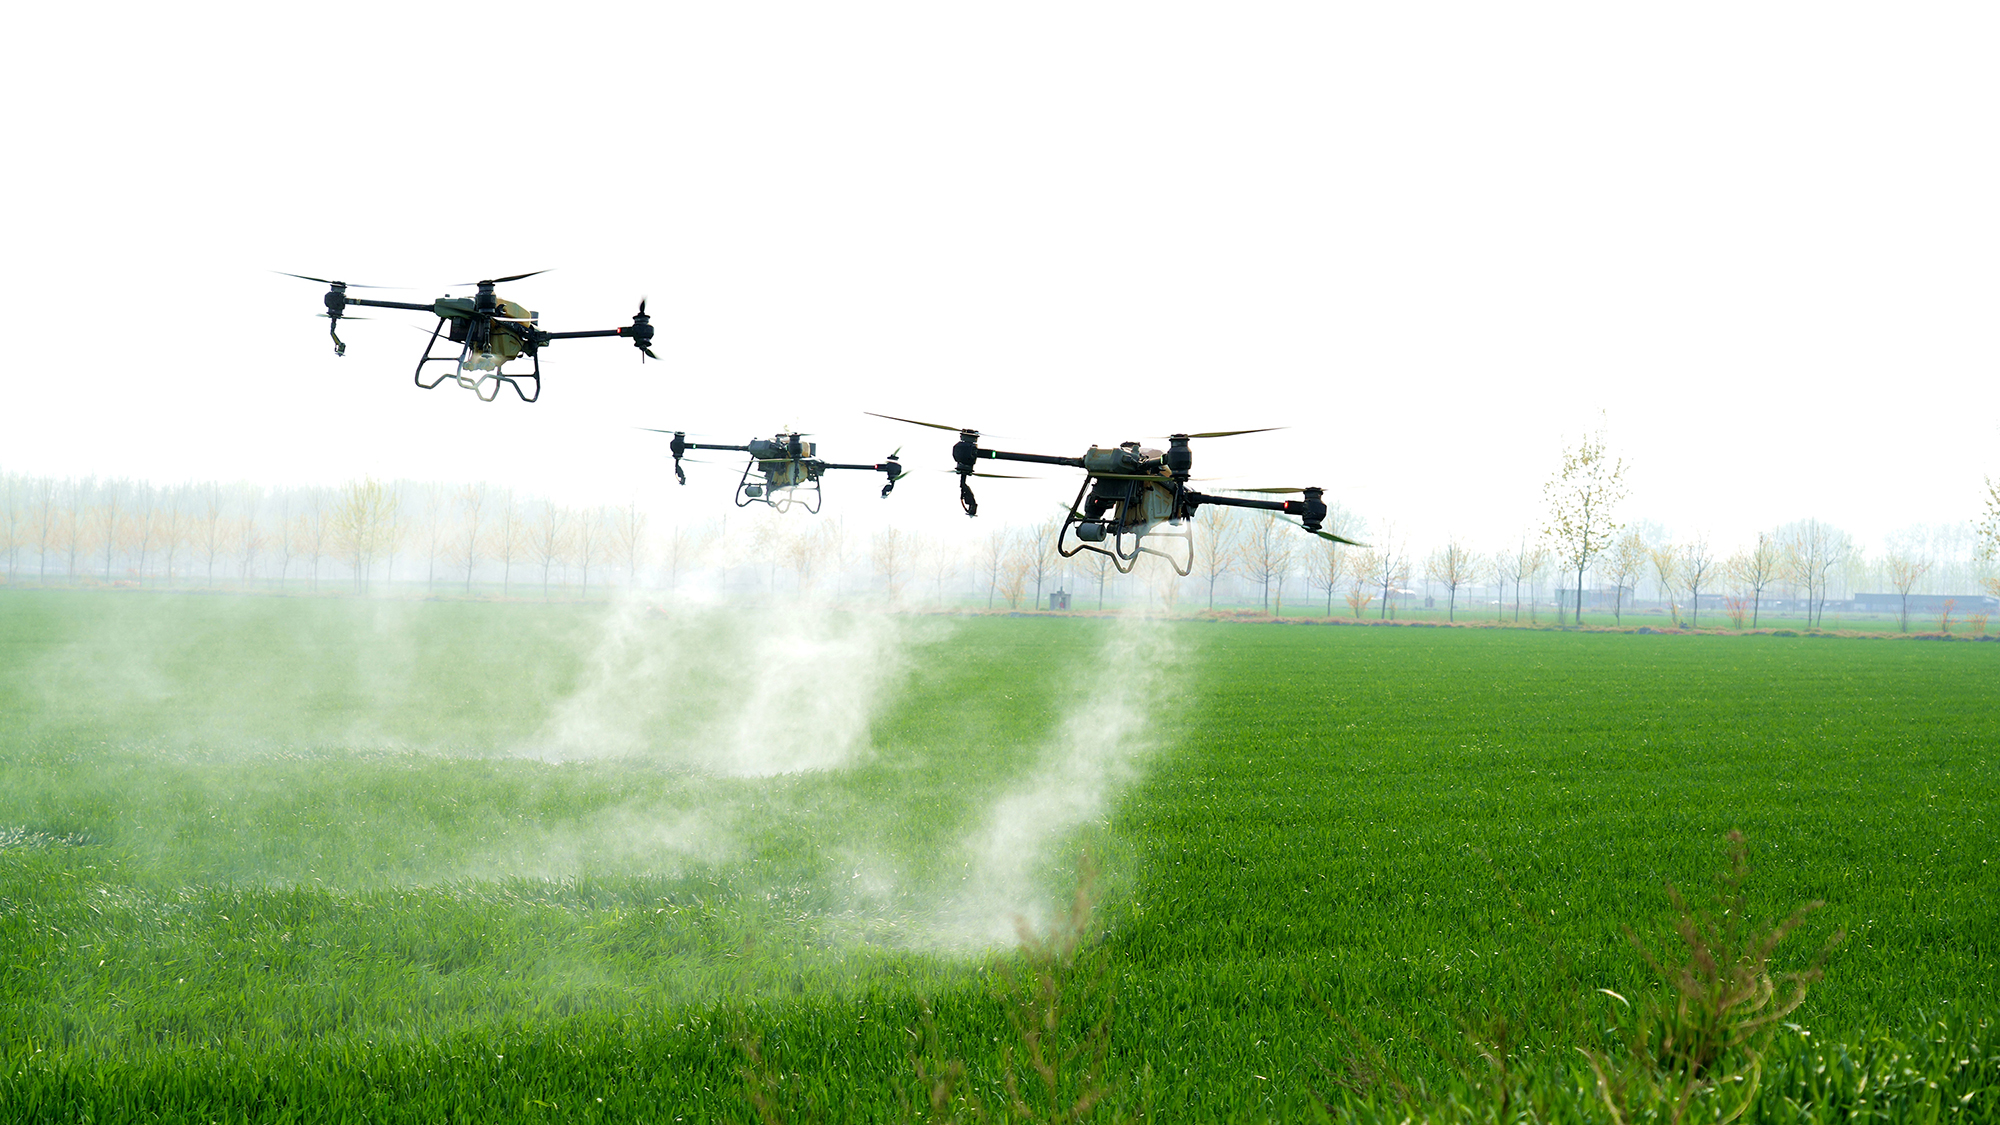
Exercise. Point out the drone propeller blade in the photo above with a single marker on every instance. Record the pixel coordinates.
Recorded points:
(1323, 534)
(499, 280)
(995, 476)
(1132, 476)
(1225, 433)
(327, 281)
(649, 353)
(329, 316)
(1283, 491)
(914, 422)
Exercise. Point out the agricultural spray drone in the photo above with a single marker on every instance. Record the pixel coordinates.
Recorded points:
(789, 468)
(490, 331)
(1129, 494)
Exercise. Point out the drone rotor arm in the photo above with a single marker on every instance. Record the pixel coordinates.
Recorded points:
(1311, 511)
(374, 304)
(1031, 458)
(585, 335)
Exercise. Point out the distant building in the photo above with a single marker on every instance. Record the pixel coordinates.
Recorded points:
(1059, 599)
(1925, 603)
(1603, 597)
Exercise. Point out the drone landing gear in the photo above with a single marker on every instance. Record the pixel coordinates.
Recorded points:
(783, 499)
(1070, 539)
(1125, 556)
(486, 384)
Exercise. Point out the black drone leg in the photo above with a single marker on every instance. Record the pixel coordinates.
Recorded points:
(965, 497)
(339, 348)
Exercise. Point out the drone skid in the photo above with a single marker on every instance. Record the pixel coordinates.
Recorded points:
(783, 497)
(476, 385)
(1070, 541)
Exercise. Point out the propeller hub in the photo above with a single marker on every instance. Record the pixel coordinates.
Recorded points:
(966, 452)
(642, 329)
(1314, 505)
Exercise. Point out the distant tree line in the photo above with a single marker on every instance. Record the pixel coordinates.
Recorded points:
(476, 538)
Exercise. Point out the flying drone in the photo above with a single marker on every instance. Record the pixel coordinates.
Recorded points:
(1130, 494)
(788, 465)
(489, 330)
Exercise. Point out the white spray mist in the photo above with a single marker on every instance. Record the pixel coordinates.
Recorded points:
(740, 691)
(1098, 749)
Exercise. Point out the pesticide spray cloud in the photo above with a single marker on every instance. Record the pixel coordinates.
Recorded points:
(1099, 748)
(755, 691)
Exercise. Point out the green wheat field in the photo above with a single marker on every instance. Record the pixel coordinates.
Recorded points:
(332, 859)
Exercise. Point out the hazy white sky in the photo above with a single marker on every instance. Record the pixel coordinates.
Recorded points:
(1436, 242)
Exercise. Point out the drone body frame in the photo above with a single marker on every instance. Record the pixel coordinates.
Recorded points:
(490, 331)
(789, 466)
(1129, 493)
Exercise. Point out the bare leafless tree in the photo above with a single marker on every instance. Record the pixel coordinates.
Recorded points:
(363, 525)
(1359, 590)
(1265, 553)
(509, 541)
(468, 535)
(683, 546)
(433, 532)
(837, 553)
(890, 550)
(107, 517)
(1904, 571)
(1451, 566)
(1014, 568)
(1503, 567)
(993, 553)
(1327, 566)
(1666, 560)
(1217, 545)
(1165, 583)
(942, 562)
(1391, 568)
(1525, 564)
(1043, 557)
(283, 542)
(800, 546)
(1535, 560)
(141, 526)
(211, 532)
(1286, 562)
(1812, 551)
(75, 528)
(1098, 565)
(47, 517)
(548, 540)
(1757, 568)
(1697, 569)
(1625, 562)
(1987, 537)
(313, 528)
(176, 524)
(246, 534)
(13, 516)
(630, 534)
(590, 537)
